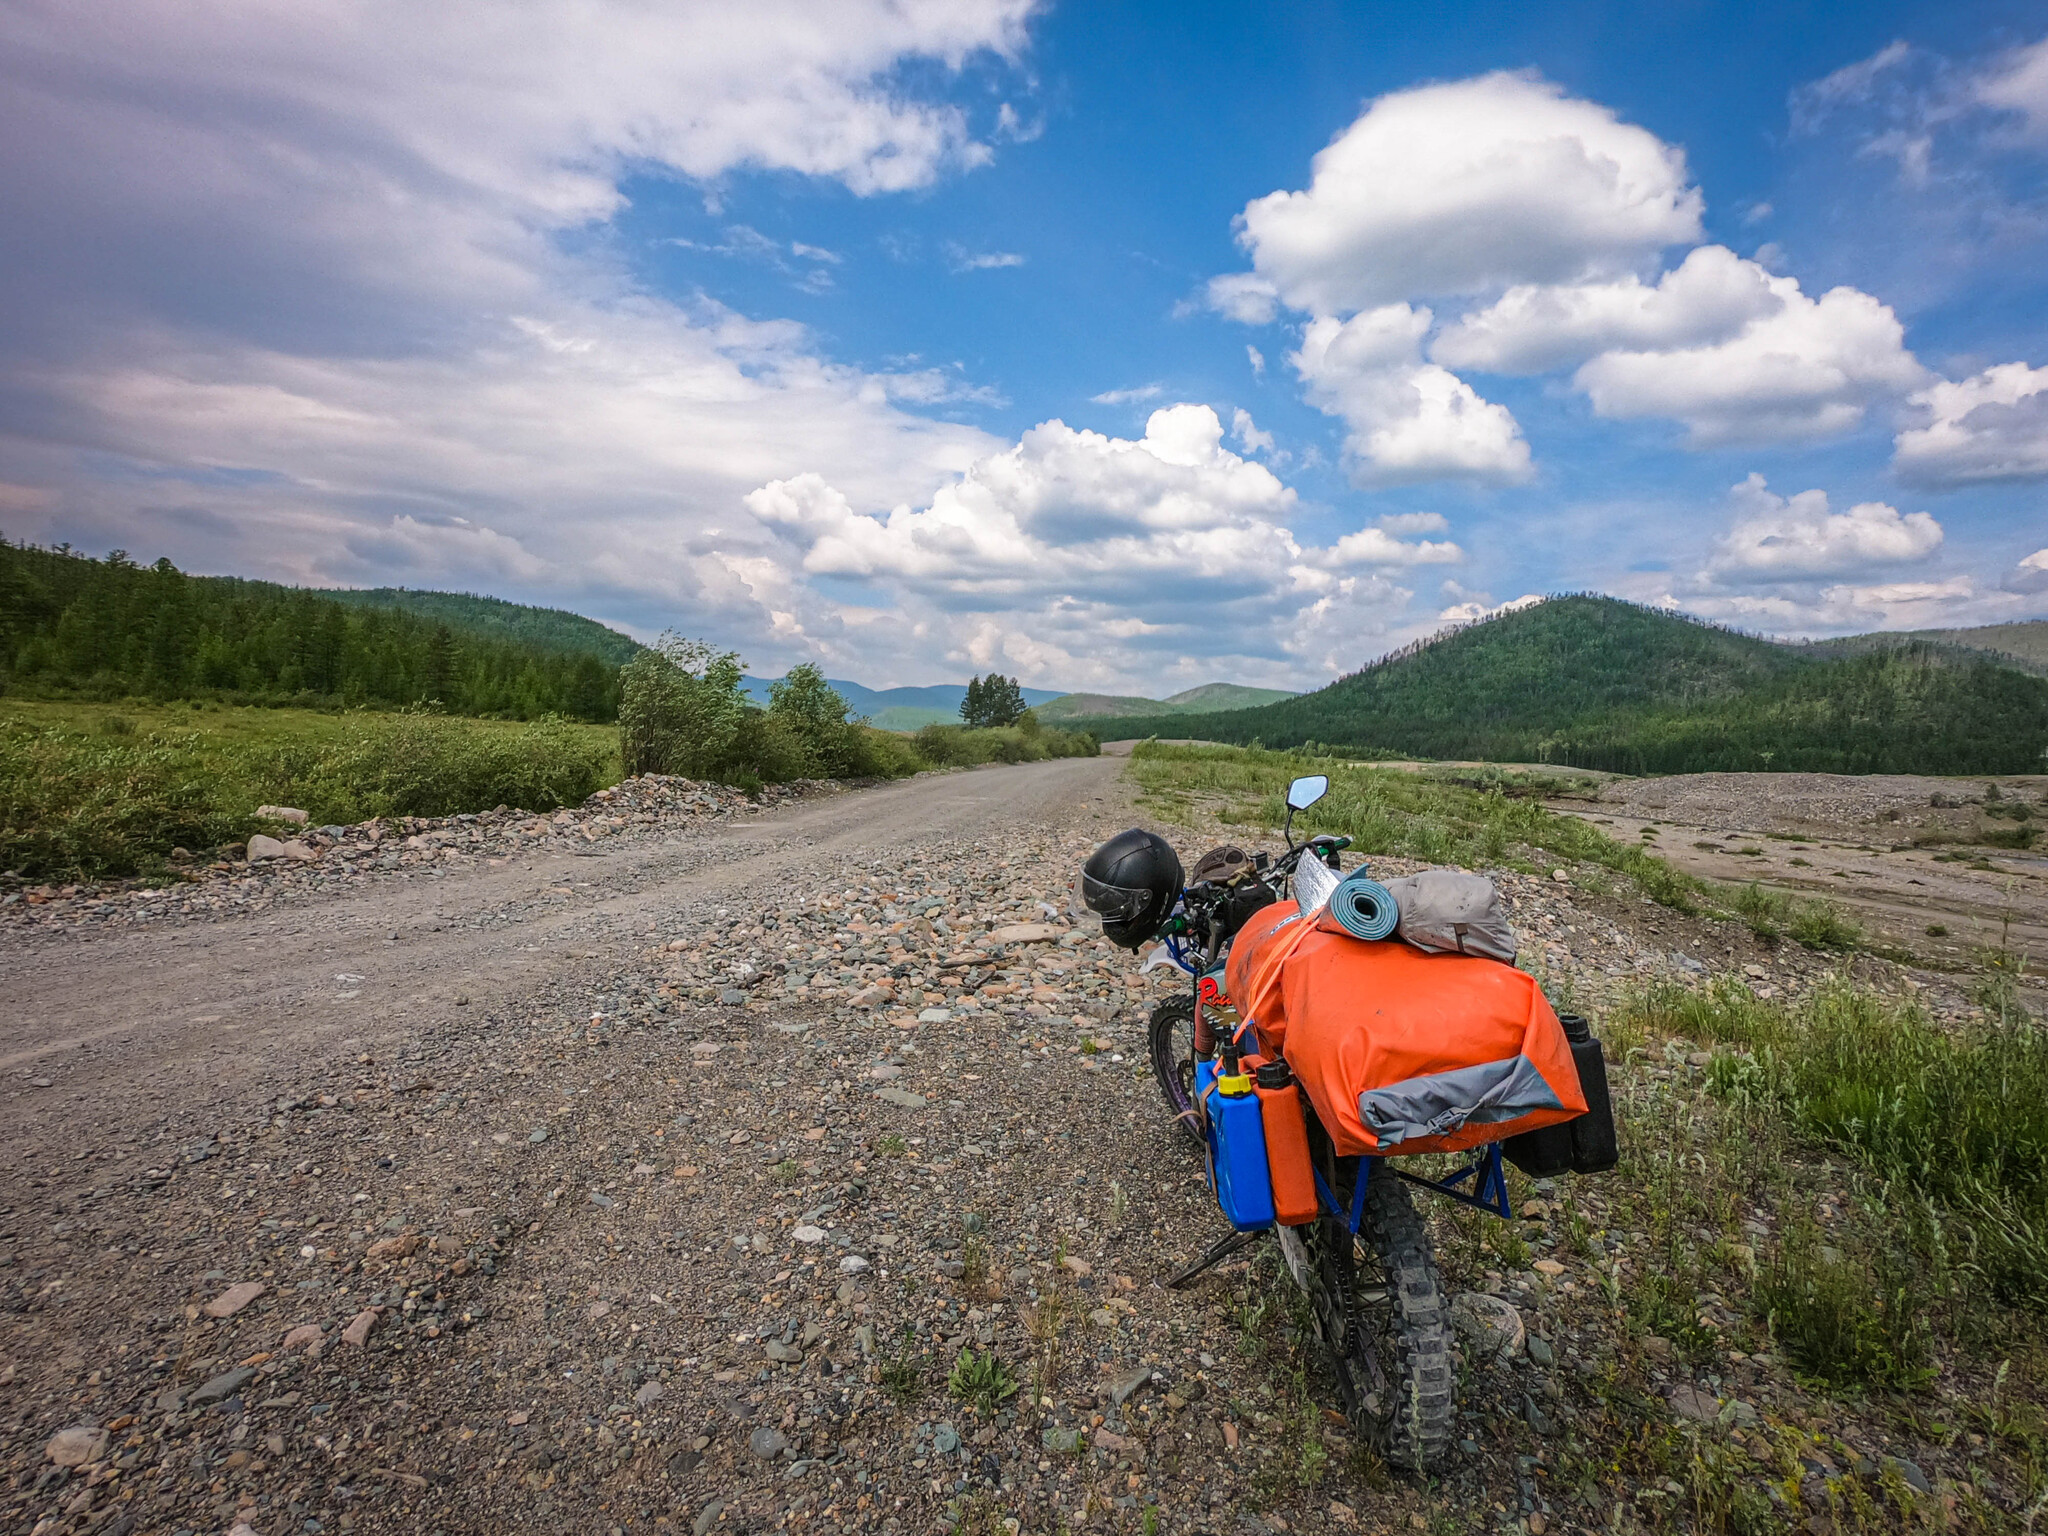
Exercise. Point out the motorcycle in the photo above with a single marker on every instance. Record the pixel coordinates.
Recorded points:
(1365, 1262)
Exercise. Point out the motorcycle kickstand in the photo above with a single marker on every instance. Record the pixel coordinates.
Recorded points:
(1216, 1255)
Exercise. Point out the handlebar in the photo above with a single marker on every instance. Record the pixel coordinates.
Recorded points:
(1183, 926)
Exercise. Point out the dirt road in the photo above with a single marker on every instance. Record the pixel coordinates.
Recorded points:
(513, 1154)
(177, 1022)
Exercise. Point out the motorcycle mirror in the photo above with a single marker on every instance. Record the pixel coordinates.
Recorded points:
(1305, 792)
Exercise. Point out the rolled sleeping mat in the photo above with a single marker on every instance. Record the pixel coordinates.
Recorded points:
(1313, 882)
(1364, 907)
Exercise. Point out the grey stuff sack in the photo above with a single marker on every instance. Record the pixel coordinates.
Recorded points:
(1446, 911)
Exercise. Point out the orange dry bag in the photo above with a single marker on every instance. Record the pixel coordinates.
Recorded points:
(1402, 1051)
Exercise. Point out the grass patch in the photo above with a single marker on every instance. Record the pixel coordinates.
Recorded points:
(80, 801)
(1485, 818)
(901, 1374)
(2010, 837)
(1823, 925)
(1766, 912)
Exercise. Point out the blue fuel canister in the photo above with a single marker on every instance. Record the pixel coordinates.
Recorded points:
(1236, 1133)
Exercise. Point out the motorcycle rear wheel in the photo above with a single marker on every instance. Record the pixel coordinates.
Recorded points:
(1384, 1319)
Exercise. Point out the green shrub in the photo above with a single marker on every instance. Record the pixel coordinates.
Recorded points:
(809, 718)
(1766, 912)
(1845, 1319)
(75, 808)
(1823, 925)
(960, 746)
(981, 1381)
(1957, 1114)
(2023, 836)
(434, 765)
(681, 712)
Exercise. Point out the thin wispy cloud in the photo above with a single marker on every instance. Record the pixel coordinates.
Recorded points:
(1129, 396)
(964, 260)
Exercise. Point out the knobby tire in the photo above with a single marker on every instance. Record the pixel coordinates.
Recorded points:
(1392, 1359)
(1170, 1040)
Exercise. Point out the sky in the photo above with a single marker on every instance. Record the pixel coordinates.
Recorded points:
(1112, 346)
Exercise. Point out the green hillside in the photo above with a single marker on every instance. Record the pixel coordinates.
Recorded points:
(544, 629)
(72, 627)
(1095, 706)
(1209, 697)
(1205, 699)
(1594, 682)
(2022, 645)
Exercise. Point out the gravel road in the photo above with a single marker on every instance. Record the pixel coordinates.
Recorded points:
(214, 1013)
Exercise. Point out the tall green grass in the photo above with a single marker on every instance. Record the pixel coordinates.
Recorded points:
(83, 805)
(1487, 819)
(1956, 1115)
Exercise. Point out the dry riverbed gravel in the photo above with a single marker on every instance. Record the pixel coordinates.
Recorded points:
(689, 1238)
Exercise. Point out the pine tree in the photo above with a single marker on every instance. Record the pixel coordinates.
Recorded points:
(991, 701)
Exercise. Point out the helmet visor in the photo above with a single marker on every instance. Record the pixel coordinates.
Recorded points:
(1078, 911)
(1114, 903)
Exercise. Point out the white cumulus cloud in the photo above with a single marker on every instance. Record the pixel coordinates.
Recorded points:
(1709, 297)
(1248, 434)
(1806, 368)
(1093, 559)
(1797, 537)
(2030, 575)
(1244, 297)
(1991, 426)
(1471, 186)
(1407, 420)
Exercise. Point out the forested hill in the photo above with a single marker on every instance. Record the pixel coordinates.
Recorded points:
(2023, 645)
(72, 626)
(1599, 683)
(544, 629)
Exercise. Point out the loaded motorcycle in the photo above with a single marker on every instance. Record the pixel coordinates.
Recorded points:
(1286, 1153)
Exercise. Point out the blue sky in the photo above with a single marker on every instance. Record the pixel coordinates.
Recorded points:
(1114, 346)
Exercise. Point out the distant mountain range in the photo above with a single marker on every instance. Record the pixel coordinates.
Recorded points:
(1584, 680)
(1205, 699)
(1599, 683)
(906, 709)
(899, 709)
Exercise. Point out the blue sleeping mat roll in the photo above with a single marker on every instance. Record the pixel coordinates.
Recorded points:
(1364, 907)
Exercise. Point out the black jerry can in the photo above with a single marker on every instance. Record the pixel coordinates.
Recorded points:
(1585, 1143)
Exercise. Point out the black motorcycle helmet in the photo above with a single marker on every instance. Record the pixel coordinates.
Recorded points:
(1131, 882)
